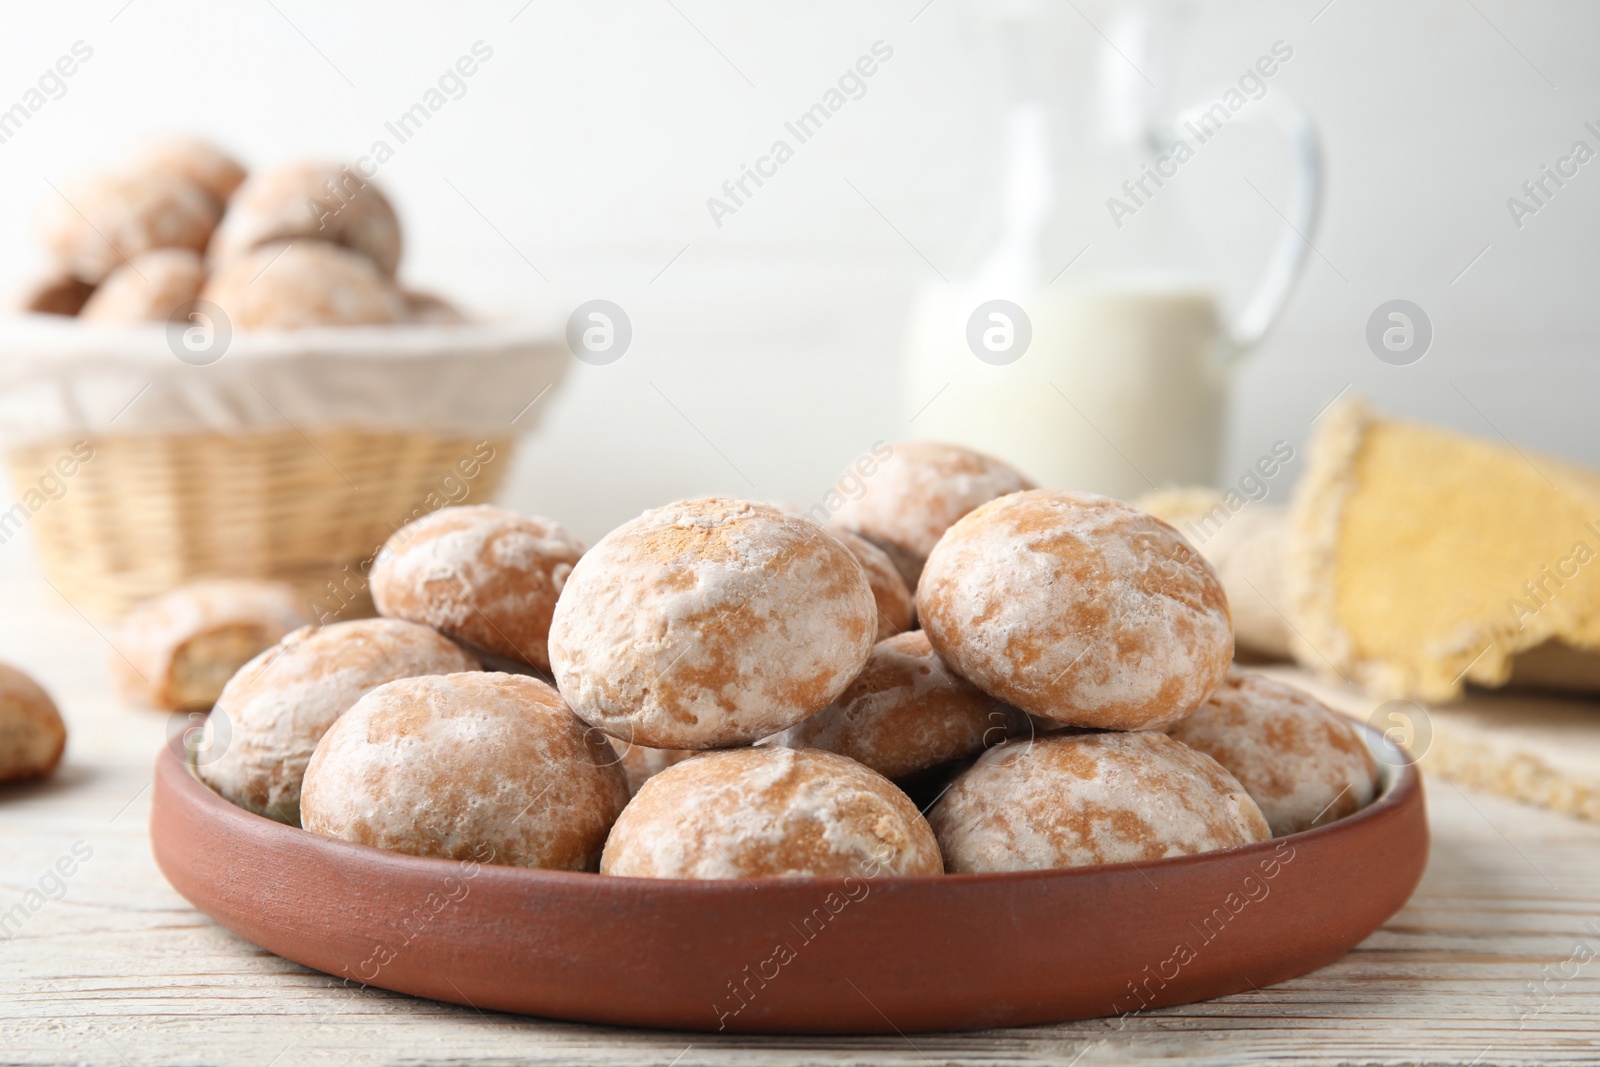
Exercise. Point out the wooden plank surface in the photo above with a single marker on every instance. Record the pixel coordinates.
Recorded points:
(1495, 961)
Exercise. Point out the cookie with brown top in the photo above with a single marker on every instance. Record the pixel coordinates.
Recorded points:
(709, 623)
(462, 766)
(100, 222)
(302, 284)
(770, 813)
(32, 735)
(916, 494)
(1077, 608)
(481, 574)
(147, 288)
(55, 292)
(1075, 800)
(271, 715)
(191, 159)
(906, 713)
(322, 201)
(1301, 761)
(896, 609)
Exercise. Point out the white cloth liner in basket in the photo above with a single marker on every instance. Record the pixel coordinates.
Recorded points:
(62, 378)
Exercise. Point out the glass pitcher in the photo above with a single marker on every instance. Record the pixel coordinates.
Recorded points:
(1089, 348)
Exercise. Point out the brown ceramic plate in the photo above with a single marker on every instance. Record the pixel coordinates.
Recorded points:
(797, 955)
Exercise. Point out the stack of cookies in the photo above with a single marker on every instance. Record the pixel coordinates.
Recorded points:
(723, 688)
(308, 244)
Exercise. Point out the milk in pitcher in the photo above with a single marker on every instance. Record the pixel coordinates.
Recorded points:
(1119, 387)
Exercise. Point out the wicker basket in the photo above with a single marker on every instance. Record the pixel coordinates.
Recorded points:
(150, 512)
(327, 444)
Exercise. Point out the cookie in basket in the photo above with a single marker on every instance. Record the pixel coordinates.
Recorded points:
(709, 623)
(301, 284)
(482, 574)
(467, 766)
(770, 813)
(1077, 608)
(55, 292)
(98, 223)
(906, 713)
(1302, 762)
(322, 201)
(191, 159)
(176, 651)
(907, 502)
(147, 288)
(272, 713)
(1075, 800)
(32, 735)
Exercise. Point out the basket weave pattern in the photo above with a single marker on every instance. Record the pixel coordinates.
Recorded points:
(150, 512)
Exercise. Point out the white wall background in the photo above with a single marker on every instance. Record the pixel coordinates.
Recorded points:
(764, 355)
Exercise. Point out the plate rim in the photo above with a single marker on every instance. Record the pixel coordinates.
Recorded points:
(1398, 781)
(524, 946)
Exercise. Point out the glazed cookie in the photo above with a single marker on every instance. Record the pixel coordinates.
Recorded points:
(32, 735)
(148, 288)
(306, 283)
(906, 713)
(1075, 800)
(896, 610)
(271, 715)
(1301, 761)
(55, 293)
(325, 201)
(97, 224)
(462, 765)
(770, 813)
(709, 623)
(178, 650)
(190, 159)
(481, 574)
(916, 494)
(1077, 608)
(640, 764)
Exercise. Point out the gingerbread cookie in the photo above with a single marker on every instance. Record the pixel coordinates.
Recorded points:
(709, 623)
(1077, 608)
(1074, 800)
(1301, 761)
(769, 813)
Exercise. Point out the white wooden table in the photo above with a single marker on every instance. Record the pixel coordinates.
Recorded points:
(1491, 963)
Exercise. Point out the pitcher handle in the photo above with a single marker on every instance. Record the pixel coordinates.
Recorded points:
(1304, 209)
